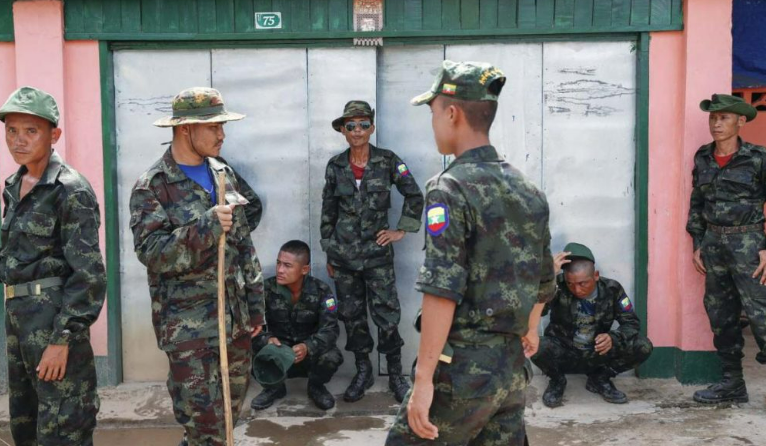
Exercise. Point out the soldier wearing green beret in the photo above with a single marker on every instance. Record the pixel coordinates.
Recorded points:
(176, 225)
(358, 242)
(726, 223)
(52, 267)
(487, 274)
(302, 313)
(580, 338)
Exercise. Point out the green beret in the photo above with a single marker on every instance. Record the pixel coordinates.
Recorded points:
(728, 103)
(578, 251)
(354, 109)
(271, 364)
(31, 101)
(469, 81)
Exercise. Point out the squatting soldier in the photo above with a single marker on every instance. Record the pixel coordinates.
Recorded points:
(580, 338)
(356, 238)
(726, 224)
(176, 226)
(487, 273)
(51, 265)
(301, 312)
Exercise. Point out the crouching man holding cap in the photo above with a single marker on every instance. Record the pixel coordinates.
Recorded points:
(51, 265)
(580, 338)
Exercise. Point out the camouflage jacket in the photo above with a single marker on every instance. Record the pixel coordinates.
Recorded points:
(254, 207)
(352, 217)
(313, 319)
(53, 232)
(175, 234)
(487, 246)
(610, 306)
(732, 195)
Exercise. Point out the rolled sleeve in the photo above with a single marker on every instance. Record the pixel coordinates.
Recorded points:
(443, 279)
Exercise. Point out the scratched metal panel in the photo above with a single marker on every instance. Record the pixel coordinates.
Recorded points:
(269, 148)
(145, 83)
(589, 150)
(517, 129)
(404, 72)
(335, 76)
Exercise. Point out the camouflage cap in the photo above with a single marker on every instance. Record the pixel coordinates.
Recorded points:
(198, 105)
(354, 109)
(271, 364)
(579, 251)
(31, 101)
(469, 81)
(728, 103)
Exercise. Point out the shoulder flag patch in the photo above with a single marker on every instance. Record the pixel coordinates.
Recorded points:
(403, 170)
(438, 219)
(330, 304)
(625, 303)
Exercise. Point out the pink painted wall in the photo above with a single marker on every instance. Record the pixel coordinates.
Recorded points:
(682, 73)
(70, 72)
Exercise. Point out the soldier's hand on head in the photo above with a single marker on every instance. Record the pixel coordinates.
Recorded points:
(275, 341)
(417, 410)
(699, 265)
(330, 271)
(560, 260)
(53, 363)
(387, 236)
(225, 215)
(603, 343)
(301, 351)
(761, 270)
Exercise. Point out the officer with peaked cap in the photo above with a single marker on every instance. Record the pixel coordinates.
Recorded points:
(487, 272)
(176, 225)
(51, 264)
(726, 223)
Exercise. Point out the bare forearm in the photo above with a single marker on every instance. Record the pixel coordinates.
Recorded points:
(435, 324)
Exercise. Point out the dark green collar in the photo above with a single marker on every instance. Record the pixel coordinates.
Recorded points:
(481, 154)
(49, 177)
(376, 156)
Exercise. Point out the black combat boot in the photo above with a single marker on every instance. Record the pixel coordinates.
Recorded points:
(320, 396)
(555, 391)
(362, 381)
(267, 397)
(602, 384)
(396, 381)
(731, 389)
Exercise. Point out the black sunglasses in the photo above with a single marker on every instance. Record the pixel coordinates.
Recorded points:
(351, 125)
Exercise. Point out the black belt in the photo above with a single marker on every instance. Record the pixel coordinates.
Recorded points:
(758, 227)
(33, 288)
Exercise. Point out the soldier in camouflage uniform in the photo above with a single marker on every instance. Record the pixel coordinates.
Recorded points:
(726, 223)
(302, 313)
(580, 338)
(356, 238)
(176, 226)
(487, 273)
(55, 283)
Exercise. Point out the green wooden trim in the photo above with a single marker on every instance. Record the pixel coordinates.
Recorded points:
(686, 366)
(112, 226)
(6, 20)
(641, 250)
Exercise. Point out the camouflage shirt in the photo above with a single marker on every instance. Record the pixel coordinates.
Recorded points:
(351, 216)
(313, 319)
(175, 233)
(732, 195)
(487, 246)
(612, 304)
(254, 207)
(53, 232)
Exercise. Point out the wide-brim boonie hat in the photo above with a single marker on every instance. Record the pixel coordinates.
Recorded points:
(728, 103)
(354, 109)
(198, 105)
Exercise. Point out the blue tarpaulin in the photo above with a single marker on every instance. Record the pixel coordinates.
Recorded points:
(749, 43)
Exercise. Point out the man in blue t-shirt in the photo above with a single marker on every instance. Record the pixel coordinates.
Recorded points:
(580, 337)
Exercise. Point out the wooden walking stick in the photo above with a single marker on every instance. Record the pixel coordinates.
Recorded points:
(223, 350)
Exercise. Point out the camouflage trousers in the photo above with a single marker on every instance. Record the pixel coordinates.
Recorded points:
(557, 356)
(194, 383)
(478, 400)
(730, 261)
(55, 412)
(374, 288)
(317, 368)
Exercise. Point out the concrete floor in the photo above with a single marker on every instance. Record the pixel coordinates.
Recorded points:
(660, 412)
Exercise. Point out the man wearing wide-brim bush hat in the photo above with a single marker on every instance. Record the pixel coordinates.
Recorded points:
(726, 223)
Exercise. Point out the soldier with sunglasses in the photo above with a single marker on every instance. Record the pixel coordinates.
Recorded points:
(358, 242)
